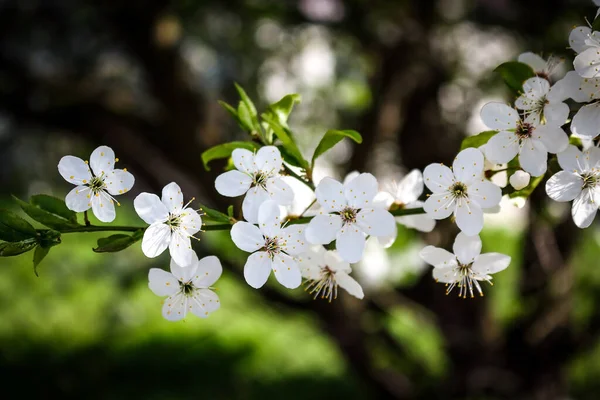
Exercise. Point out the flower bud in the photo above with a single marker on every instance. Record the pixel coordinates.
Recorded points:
(519, 180)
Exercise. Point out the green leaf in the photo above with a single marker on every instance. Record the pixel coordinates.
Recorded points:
(331, 138)
(54, 206)
(230, 211)
(287, 142)
(118, 242)
(280, 111)
(575, 141)
(246, 100)
(214, 215)
(526, 191)
(47, 218)
(514, 74)
(49, 238)
(39, 254)
(477, 140)
(224, 151)
(14, 228)
(9, 249)
(245, 118)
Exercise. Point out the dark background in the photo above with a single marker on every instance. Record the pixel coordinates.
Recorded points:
(144, 77)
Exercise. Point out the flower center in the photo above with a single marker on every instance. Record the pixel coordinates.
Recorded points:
(272, 246)
(174, 221)
(466, 280)
(458, 189)
(524, 130)
(260, 179)
(97, 184)
(348, 215)
(187, 288)
(325, 287)
(590, 180)
(543, 74)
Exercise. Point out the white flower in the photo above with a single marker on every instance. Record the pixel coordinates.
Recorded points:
(324, 271)
(582, 38)
(466, 267)
(519, 179)
(587, 44)
(188, 288)
(461, 191)
(95, 190)
(529, 140)
(542, 103)
(171, 224)
(542, 68)
(405, 195)
(257, 176)
(579, 181)
(349, 215)
(272, 247)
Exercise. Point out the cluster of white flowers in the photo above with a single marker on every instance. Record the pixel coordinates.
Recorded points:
(320, 248)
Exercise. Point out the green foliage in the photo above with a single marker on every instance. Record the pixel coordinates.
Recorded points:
(575, 141)
(49, 211)
(477, 140)
(14, 228)
(526, 191)
(230, 211)
(118, 242)
(224, 151)
(292, 153)
(280, 111)
(514, 74)
(216, 216)
(9, 249)
(39, 254)
(331, 138)
(246, 100)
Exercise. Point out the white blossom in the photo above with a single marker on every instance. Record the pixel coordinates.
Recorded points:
(257, 176)
(96, 187)
(526, 138)
(273, 247)
(324, 271)
(586, 44)
(349, 215)
(461, 191)
(466, 267)
(519, 180)
(171, 224)
(546, 69)
(188, 289)
(579, 181)
(542, 103)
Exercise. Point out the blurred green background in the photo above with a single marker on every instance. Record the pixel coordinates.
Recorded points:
(144, 77)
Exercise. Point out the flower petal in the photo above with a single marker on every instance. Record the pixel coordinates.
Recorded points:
(185, 273)
(350, 285)
(323, 228)
(469, 217)
(533, 157)
(286, 271)
(587, 121)
(438, 178)
(243, 160)
(536, 88)
(162, 283)
(578, 38)
(102, 160)
(255, 197)
(564, 186)
(268, 159)
(172, 198)
(350, 243)
(537, 63)
(485, 193)
(208, 272)
(175, 307)
(572, 160)
(257, 269)
(118, 182)
(376, 222)
(207, 302)
(466, 248)
(490, 263)
(180, 249)
(468, 165)
(74, 170)
(279, 191)
(233, 183)
(556, 113)
(499, 116)
(410, 187)
(246, 236)
(554, 138)
(269, 218)
(361, 190)
(587, 63)
(79, 199)
(295, 241)
(333, 261)
(439, 205)
(156, 239)
(103, 207)
(584, 209)
(330, 194)
(420, 222)
(445, 274)
(437, 257)
(149, 207)
(502, 147)
(191, 222)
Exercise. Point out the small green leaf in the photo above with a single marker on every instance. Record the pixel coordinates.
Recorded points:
(118, 242)
(9, 249)
(38, 255)
(214, 215)
(245, 119)
(331, 138)
(246, 100)
(230, 211)
(477, 140)
(49, 238)
(514, 74)
(575, 141)
(280, 111)
(14, 228)
(287, 142)
(224, 151)
(526, 191)
(54, 206)
(47, 218)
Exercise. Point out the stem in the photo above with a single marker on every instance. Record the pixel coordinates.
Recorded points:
(216, 227)
(92, 228)
(397, 213)
(301, 179)
(308, 208)
(86, 219)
